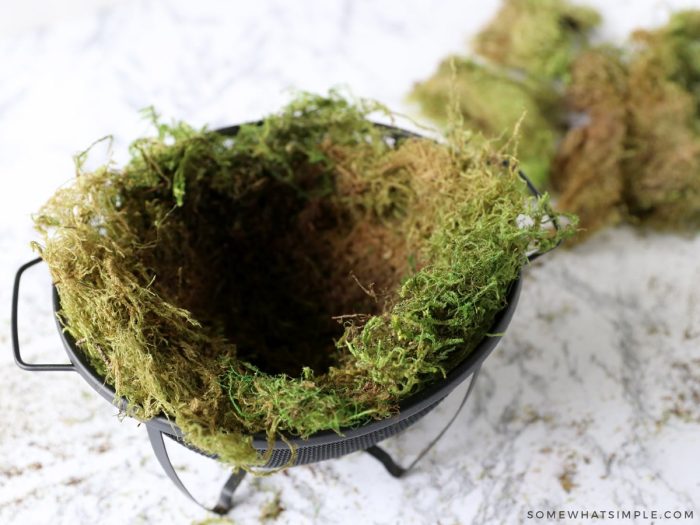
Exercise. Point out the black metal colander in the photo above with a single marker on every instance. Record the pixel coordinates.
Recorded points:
(320, 446)
(327, 444)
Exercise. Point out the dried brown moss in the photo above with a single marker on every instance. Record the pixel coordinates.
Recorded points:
(663, 169)
(307, 274)
(637, 157)
(588, 171)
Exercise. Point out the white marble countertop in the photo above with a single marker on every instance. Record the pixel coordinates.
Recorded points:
(591, 402)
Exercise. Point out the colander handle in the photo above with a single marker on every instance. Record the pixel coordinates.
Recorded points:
(225, 503)
(537, 194)
(15, 334)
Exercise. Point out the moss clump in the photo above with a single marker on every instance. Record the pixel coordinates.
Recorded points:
(587, 171)
(493, 102)
(539, 37)
(663, 169)
(617, 129)
(528, 48)
(307, 274)
(637, 157)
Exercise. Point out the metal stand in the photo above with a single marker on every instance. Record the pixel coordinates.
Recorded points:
(397, 470)
(225, 503)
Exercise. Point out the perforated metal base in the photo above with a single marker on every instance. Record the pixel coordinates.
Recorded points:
(314, 453)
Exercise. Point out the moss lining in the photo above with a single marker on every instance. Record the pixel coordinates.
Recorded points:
(307, 274)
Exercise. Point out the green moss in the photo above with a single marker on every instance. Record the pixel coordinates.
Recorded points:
(494, 102)
(307, 274)
(539, 37)
(528, 48)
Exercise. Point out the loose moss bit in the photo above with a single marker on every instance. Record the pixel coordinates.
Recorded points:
(307, 274)
(539, 37)
(214, 521)
(272, 509)
(494, 102)
(638, 156)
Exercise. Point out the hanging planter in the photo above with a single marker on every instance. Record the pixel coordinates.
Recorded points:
(292, 290)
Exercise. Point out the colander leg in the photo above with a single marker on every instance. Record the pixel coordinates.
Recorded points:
(225, 503)
(397, 470)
